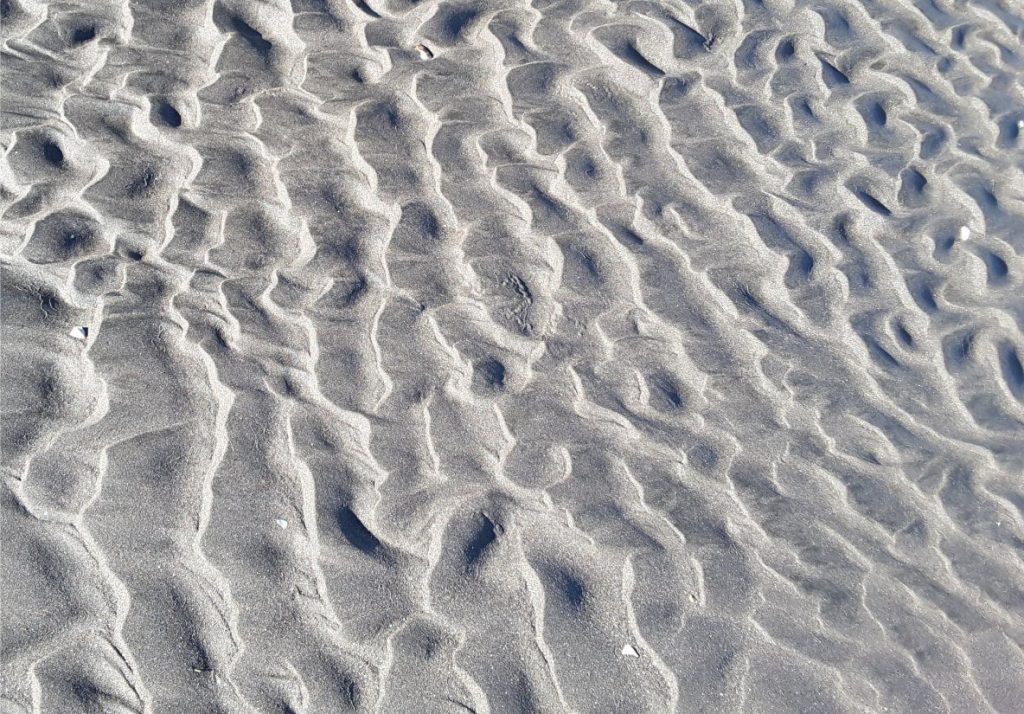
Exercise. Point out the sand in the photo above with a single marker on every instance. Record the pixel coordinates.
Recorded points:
(511, 356)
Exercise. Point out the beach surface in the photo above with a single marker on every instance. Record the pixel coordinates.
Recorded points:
(507, 356)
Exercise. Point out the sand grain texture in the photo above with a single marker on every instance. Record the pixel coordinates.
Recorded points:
(508, 356)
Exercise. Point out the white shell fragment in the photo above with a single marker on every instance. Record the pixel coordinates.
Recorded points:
(79, 333)
(630, 651)
(964, 233)
(281, 523)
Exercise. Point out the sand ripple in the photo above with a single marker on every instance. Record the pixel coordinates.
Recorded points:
(495, 356)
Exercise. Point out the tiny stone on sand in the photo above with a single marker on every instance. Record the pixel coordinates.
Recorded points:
(964, 233)
(80, 333)
(630, 651)
(281, 523)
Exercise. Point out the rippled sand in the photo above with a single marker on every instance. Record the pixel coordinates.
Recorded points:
(508, 356)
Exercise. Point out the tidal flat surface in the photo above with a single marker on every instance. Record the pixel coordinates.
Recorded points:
(508, 356)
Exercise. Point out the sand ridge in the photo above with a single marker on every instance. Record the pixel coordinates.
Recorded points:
(505, 356)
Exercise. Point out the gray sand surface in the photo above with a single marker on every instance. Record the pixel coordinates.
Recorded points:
(512, 356)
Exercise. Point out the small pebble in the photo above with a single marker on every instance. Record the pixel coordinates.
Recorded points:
(281, 523)
(80, 333)
(964, 233)
(630, 651)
